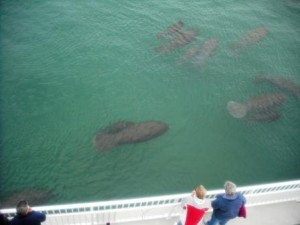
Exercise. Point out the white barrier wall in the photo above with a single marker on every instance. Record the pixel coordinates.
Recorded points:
(141, 209)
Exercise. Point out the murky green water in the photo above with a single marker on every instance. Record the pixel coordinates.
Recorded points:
(69, 68)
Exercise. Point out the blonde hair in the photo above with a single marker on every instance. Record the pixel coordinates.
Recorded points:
(200, 191)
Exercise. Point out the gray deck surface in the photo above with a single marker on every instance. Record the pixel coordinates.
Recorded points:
(287, 213)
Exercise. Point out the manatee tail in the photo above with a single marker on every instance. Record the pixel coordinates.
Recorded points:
(105, 142)
(237, 110)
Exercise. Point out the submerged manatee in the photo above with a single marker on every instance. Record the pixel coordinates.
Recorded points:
(142, 131)
(268, 116)
(265, 102)
(252, 37)
(34, 196)
(105, 141)
(260, 103)
(173, 28)
(190, 53)
(206, 51)
(282, 83)
(117, 127)
(181, 39)
(133, 133)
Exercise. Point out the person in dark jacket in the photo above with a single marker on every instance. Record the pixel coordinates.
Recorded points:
(27, 216)
(226, 206)
(3, 219)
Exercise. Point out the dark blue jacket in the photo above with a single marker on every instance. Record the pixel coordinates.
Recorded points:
(227, 207)
(32, 218)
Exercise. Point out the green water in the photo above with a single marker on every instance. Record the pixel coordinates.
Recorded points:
(69, 68)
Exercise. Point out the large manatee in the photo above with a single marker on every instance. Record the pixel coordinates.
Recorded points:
(142, 131)
(34, 196)
(117, 127)
(283, 83)
(173, 28)
(133, 133)
(105, 141)
(189, 54)
(257, 104)
(268, 116)
(250, 38)
(181, 39)
(206, 51)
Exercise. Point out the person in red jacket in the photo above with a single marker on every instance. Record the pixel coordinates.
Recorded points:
(27, 216)
(196, 199)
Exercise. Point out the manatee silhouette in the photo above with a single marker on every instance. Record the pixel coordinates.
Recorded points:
(283, 83)
(260, 103)
(129, 134)
(117, 127)
(173, 28)
(253, 36)
(268, 116)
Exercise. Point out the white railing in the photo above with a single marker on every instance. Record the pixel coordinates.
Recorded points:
(141, 209)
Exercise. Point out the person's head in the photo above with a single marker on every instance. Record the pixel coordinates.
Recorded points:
(200, 191)
(22, 208)
(230, 188)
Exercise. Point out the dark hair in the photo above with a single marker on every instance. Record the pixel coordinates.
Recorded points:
(22, 207)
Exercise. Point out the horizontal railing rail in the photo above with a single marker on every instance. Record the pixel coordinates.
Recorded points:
(167, 206)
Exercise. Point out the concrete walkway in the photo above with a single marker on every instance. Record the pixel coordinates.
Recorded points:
(287, 213)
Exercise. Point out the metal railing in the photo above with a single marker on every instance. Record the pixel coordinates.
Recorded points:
(167, 206)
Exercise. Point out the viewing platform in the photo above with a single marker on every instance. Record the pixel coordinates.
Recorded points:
(274, 203)
(284, 213)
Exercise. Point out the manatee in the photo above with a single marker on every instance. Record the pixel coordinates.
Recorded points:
(138, 132)
(252, 37)
(173, 28)
(260, 103)
(117, 127)
(142, 131)
(34, 196)
(282, 83)
(190, 53)
(264, 102)
(181, 39)
(105, 141)
(205, 52)
(268, 116)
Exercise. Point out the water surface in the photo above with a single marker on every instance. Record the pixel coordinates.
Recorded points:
(70, 68)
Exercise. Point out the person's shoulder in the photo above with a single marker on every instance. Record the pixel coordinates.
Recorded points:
(187, 199)
(38, 215)
(34, 212)
(240, 196)
(219, 195)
